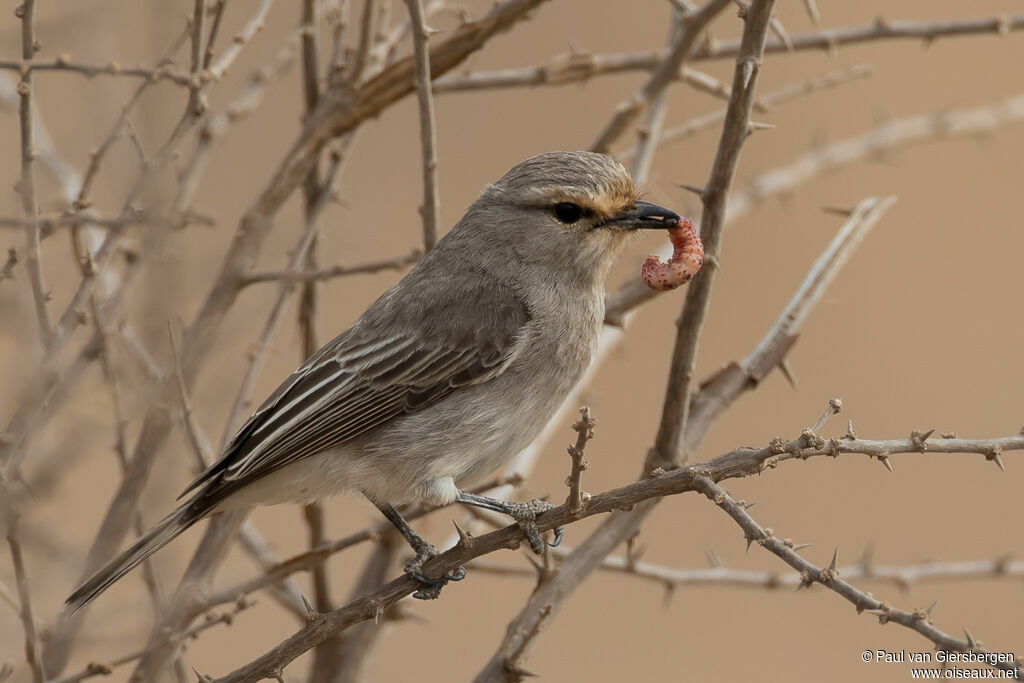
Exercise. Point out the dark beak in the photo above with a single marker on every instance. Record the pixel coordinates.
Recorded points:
(644, 216)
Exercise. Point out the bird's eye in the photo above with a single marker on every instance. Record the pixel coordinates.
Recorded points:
(567, 212)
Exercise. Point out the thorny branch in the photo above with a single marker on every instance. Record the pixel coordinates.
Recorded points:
(428, 124)
(584, 428)
(581, 66)
(671, 578)
(742, 462)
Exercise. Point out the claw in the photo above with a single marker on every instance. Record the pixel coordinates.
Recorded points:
(431, 585)
(559, 531)
(525, 515)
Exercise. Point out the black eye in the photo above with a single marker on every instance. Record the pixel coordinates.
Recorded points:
(567, 212)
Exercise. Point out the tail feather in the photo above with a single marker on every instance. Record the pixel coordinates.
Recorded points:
(162, 533)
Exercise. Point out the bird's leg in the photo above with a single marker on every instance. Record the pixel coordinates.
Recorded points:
(525, 515)
(424, 551)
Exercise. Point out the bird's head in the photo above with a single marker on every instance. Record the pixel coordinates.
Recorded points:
(568, 210)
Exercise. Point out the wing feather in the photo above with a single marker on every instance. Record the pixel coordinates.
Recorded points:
(363, 379)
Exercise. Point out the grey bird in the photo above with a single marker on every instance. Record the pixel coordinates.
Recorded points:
(447, 375)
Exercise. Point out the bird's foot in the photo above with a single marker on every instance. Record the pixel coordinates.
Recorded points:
(431, 585)
(525, 515)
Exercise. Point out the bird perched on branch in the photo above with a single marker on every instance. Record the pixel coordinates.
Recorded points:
(447, 375)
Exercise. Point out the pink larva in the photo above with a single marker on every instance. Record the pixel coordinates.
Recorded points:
(687, 258)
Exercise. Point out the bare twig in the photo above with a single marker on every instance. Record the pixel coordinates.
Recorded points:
(784, 94)
(584, 428)
(212, 619)
(27, 183)
(428, 126)
(651, 132)
(28, 624)
(918, 620)
(253, 26)
(900, 576)
(362, 54)
(628, 110)
(670, 443)
(571, 68)
(811, 7)
(63, 63)
(211, 39)
(396, 263)
(578, 67)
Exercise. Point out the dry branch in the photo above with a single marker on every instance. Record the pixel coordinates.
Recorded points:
(902, 577)
(766, 103)
(370, 267)
(27, 183)
(584, 428)
(577, 67)
(428, 125)
(627, 111)
(28, 623)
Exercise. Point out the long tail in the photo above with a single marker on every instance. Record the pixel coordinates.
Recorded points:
(162, 533)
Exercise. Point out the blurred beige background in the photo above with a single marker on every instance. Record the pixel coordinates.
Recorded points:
(922, 329)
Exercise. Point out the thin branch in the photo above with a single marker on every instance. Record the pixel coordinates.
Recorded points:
(766, 103)
(574, 67)
(651, 132)
(628, 110)
(899, 576)
(27, 183)
(670, 443)
(211, 39)
(212, 619)
(943, 124)
(28, 623)
(362, 53)
(584, 428)
(396, 263)
(97, 155)
(253, 26)
(918, 620)
(64, 64)
(428, 124)
(579, 67)
(741, 462)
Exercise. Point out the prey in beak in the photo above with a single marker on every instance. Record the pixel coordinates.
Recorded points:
(643, 216)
